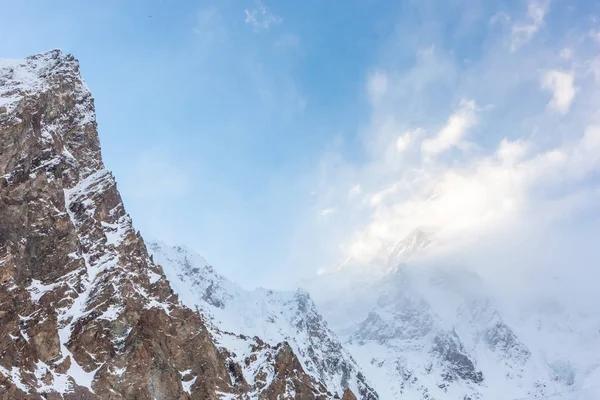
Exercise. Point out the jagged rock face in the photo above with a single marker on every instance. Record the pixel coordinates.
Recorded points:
(455, 360)
(84, 312)
(278, 318)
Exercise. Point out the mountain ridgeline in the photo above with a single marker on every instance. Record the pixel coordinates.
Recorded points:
(85, 313)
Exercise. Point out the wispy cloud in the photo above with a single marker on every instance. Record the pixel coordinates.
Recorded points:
(261, 17)
(405, 139)
(452, 133)
(563, 90)
(521, 170)
(524, 32)
(327, 211)
(487, 193)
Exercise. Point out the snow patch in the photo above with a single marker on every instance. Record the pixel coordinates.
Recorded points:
(37, 289)
(15, 376)
(187, 384)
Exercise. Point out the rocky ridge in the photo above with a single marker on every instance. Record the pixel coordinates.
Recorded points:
(84, 311)
(273, 316)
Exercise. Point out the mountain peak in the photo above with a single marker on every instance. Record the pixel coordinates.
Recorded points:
(86, 313)
(22, 77)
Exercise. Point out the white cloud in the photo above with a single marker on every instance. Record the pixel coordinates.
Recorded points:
(326, 211)
(487, 193)
(402, 142)
(524, 32)
(561, 84)
(524, 170)
(526, 174)
(405, 140)
(453, 132)
(510, 152)
(261, 18)
(379, 197)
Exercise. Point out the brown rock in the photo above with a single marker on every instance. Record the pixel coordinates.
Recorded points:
(348, 395)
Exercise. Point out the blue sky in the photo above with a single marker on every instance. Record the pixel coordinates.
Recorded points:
(281, 138)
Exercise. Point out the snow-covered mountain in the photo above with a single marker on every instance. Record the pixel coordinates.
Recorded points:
(426, 332)
(248, 322)
(85, 313)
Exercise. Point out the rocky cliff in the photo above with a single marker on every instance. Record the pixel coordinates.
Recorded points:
(84, 311)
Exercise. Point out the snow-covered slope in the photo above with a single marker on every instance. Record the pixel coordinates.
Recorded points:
(422, 332)
(252, 322)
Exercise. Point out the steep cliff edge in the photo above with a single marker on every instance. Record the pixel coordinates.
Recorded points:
(84, 311)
